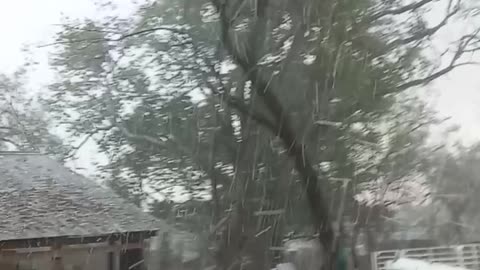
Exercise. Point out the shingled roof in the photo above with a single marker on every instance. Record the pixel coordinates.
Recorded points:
(40, 198)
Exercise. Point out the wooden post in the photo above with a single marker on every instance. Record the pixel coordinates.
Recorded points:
(116, 255)
(56, 257)
(113, 256)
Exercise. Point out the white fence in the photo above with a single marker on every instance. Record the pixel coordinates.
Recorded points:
(467, 256)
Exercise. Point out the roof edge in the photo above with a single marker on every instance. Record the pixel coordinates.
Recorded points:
(133, 236)
(20, 153)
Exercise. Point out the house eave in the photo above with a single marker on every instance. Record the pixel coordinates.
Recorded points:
(125, 237)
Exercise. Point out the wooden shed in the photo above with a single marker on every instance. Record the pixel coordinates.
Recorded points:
(53, 218)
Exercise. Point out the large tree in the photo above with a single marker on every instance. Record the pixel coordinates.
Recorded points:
(258, 103)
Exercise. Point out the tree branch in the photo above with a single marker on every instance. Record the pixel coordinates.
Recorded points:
(73, 151)
(122, 37)
(241, 107)
(461, 49)
(150, 30)
(10, 141)
(397, 11)
(425, 32)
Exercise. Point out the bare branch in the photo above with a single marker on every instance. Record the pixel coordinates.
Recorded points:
(461, 49)
(425, 32)
(122, 37)
(426, 80)
(73, 151)
(150, 30)
(397, 11)
(92, 41)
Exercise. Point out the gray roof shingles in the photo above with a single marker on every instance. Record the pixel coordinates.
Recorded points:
(41, 198)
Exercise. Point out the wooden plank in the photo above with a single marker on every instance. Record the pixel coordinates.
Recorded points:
(104, 246)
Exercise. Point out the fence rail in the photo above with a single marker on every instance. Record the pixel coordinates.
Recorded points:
(467, 256)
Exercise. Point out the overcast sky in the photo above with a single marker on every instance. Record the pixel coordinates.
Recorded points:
(33, 22)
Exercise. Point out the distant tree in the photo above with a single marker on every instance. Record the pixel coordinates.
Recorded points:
(24, 125)
(454, 180)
